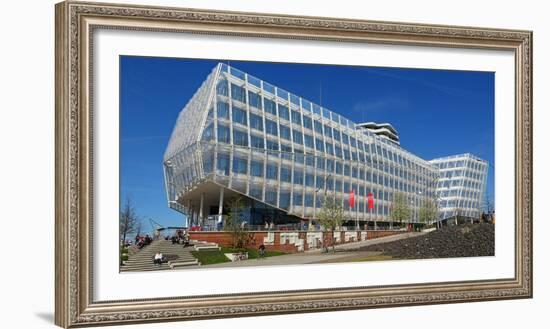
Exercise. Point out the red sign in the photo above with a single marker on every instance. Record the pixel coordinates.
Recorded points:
(370, 200)
(351, 198)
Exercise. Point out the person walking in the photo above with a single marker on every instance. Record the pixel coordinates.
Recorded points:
(261, 251)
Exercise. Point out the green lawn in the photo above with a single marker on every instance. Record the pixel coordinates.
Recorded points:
(207, 257)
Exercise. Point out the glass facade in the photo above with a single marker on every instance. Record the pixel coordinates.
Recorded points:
(461, 185)
(286, 152)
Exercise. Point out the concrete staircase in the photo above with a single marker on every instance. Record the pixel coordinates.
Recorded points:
(176, 255)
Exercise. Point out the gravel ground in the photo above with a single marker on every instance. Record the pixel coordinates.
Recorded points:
(451, 241)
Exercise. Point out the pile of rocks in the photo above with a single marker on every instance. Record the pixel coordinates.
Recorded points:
(466, 240)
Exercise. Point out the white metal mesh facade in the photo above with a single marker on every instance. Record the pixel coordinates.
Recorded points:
(257, 139)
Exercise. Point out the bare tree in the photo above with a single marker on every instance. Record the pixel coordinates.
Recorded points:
(129, 221)
(331, 215)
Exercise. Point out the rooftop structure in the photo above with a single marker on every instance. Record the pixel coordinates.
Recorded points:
(384, 130)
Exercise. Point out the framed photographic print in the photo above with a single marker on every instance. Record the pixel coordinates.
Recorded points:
(217, 164)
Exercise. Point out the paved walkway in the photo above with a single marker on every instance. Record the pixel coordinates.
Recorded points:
(359, 244)
(343, 252)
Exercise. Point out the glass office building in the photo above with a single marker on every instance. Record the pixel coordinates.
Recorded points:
(283, 154)
(461, 185)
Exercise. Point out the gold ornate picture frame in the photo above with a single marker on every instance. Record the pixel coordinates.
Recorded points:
(76, 23)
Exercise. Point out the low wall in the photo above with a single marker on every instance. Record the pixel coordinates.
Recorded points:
(291, 241)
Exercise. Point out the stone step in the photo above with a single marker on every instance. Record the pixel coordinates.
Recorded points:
(142, 260)
(181, 259)
(144, 268)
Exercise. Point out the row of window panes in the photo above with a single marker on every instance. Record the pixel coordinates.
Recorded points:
(270, 107)
(239, 116)
(300, 177)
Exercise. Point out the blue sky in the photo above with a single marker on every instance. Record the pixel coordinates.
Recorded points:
(436, 112)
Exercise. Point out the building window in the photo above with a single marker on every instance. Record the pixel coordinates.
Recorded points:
(257, 168)
(296, 118)
(346, 153)
(256, 122)
(337, 185)
(298, 176)
(345, 139)
(207, 134)
(254, 81)
(239, 165)
(270, 106)
(239, 116)
(346, 170)
(285, 132)
(295, 99)
(318, 127)
(347, 188)
(330, 148)
(271, 197)
(254, 100)
(271, 172)
(320, 182)
(298, 199)
(307, 122)
(284, 200)
(308, 141)
(297, 137)
(308, 200)
(336, 134)
(223, 164)
(238, 93)
(257, 142)
(326, 113)
(283, 112)
(306, 105)
(240, 138)
(223, 134)
(221, 88)
(339, 168)
(338, 151)
(285, 175)
(310, 160)
(321, 163)
(281, 93)
(316, 109)
(328, 131)
(272, 145)
(223, 110)
(330, 184)
(287, 149)
(256, 192)
(319, 145)
(269, 88)
(310, 180)
(236, 73)
(271, 127)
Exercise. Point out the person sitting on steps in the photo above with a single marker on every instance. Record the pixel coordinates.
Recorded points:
(157, 259)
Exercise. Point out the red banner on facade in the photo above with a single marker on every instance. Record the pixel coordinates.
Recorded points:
(351, 198)
(370, 200)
